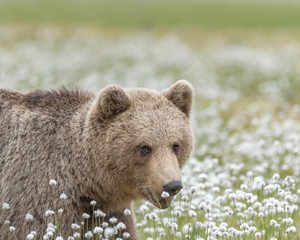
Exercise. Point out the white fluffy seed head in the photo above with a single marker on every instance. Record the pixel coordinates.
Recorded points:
(49, 213)
(154, 216)
(98, 230)
(202, 206)
(76, 235)
(126, 235)
(185, 198)
(192, 214)
(12, 229)
(121, 226)
(178, 213)
(165, 194)
(113, 220)
(198, 225)
(30, 236)
(276, 176)
(5, 206)
(244, 226)
(75, 226)
(63, 196)
(59, 238)
(193, 189)
(244, 187)
(109, 232)
(291, 229)
(93, 202)
(105, 224)
(86, 216)
(88, 235)
(127, 212)
(99, 213)
(29, 217)
(52, 182)
(273, 223)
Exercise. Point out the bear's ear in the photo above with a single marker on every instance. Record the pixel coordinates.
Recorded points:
(111, 101)
(181, 95)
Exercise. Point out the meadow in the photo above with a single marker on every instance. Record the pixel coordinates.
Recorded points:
(243, 180)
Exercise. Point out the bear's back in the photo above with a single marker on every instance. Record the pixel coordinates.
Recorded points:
(62, 100)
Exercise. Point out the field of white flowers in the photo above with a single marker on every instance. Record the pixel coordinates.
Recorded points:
(243, 179)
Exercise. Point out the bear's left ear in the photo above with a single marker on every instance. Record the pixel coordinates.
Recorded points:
(181, 95)
(110, 102)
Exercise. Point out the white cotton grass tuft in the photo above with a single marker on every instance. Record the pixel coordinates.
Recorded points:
(99, 213)
(93, 202)
(63, 196)
(121, 226)
(193, 189)
(5, 206)
(52, 182)
(88, 235)
(113, 220)
(98, 230)
(29, 217)
(109, 232)
(127, 212)
(126, 235)
(291, 229)
(76, 235)
(30, 236)
(165, 194)
(86, 216)
(75, 226)
(192, 213)
(49, 213)
(245, 152)
(12, 229)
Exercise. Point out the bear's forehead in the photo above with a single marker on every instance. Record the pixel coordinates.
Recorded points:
(156, 125)
(143, 99)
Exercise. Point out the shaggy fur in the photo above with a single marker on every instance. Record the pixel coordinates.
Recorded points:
(91, 144)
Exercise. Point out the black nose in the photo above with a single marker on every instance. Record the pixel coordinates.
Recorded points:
(173, 187)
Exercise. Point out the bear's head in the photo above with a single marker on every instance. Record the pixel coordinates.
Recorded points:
(144, 139)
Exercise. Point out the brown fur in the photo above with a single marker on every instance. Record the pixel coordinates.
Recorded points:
(91, 145)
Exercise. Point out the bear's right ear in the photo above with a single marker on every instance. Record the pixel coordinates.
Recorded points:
(111, 101)
(181, 95)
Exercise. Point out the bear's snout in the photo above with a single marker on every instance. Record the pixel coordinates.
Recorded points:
(173, 187)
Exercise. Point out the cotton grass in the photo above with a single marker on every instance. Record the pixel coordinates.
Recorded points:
(243, 179)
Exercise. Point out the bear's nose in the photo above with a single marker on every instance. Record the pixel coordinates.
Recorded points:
(173, 187)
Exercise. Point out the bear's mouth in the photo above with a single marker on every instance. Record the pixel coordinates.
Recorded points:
(160, 202)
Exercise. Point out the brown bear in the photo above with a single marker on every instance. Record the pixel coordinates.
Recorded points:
(113, 147)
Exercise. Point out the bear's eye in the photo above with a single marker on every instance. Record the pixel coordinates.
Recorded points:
(176, 148)
(145, 151)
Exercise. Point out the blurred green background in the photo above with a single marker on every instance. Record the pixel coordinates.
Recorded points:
(153, 14)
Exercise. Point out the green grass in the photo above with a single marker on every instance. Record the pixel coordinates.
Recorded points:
(148, 14)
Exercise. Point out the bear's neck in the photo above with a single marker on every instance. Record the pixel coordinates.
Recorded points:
(93, 178)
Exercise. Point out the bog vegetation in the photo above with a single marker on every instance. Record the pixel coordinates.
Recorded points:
(243, 179)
